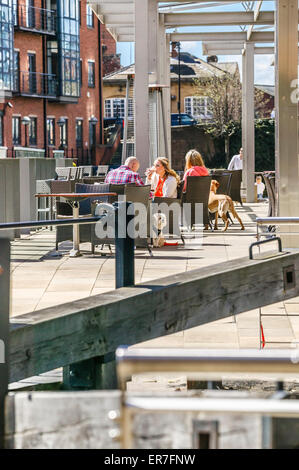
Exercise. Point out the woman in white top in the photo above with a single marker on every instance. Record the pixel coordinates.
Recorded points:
(163, 179)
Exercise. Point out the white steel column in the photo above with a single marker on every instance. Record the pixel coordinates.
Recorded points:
(146, 19)
(163, 54)
(248, 134)
(286, 151)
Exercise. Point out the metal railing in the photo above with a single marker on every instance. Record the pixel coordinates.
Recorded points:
(205, 364)
(272, 222)
(36, 84)
(36, 19)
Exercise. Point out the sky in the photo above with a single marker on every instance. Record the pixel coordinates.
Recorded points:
(264, 72)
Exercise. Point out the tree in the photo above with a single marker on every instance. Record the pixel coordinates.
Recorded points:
(225, 107)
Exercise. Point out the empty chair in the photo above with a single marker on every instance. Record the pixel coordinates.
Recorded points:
(44, 205)
(102, 170)
(198, 191)
(64, 173)
(270, 187)
(224, 181)
(235, 188)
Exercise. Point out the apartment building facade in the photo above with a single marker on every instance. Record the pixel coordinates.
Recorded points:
(51, 77)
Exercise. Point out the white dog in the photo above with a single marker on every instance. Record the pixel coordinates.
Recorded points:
(160, 222)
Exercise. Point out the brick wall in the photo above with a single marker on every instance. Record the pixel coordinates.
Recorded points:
(111, 60)
(184, 139)
(88, 104)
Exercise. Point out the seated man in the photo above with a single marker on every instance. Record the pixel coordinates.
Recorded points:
(126, 173)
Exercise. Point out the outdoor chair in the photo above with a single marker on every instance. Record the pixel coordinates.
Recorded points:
(171, 225)
(102, 170)
(198, 191)
(224, 180)
(235, 188)
(270, 187)
(44, 205)
(134, 194)
(64, 211)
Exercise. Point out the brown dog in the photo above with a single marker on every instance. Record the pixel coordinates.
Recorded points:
(221, 205)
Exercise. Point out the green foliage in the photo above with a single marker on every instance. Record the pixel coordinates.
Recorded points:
(264, 146)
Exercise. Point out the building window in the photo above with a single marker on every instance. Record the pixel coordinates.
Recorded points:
(6, 45)
(81, 72)
(115, 108)
(68, 47)
(79, 133)
(63, 130)
(16, 131)
(1, 130)
(198, 107)
(16, 71)
(32, 83)
(91, 74)
(33, 131)
(89, 17)
(15, 12)
(51, 131)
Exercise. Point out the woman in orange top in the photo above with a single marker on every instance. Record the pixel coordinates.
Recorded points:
(163, 179)
(194, 166)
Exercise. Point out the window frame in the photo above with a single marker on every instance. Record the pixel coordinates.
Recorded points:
(195, 104)
(93, 83)
(19, 139)
(79, 142)
(51, 142)
(32, 139)
(89, 17)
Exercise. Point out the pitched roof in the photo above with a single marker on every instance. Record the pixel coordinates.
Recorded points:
(191, 67)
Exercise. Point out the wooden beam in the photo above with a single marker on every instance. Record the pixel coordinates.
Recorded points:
(95, 326)
(4, 327)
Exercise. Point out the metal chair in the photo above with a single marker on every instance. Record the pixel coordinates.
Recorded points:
(44, 206)
(198, 192)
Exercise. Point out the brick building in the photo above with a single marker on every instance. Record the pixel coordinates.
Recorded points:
(51, 75)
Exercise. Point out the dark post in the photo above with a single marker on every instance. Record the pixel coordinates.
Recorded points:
(4, 328)
(179, 83)
(99, 373)
(124, 247)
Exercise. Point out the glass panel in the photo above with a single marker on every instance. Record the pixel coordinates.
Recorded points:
(69, 47)
(6, 45)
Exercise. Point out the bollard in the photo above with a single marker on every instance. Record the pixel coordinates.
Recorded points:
(4, 329)
(99, 373)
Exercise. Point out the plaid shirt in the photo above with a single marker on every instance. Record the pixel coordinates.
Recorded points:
(123, 175)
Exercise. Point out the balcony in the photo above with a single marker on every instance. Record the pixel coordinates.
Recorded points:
(36, 20)
(36, 85)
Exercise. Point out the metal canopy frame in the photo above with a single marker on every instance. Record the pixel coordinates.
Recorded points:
(119, 18)
(249, 29)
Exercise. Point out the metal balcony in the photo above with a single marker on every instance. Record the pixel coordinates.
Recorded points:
(36, 20)
(36, 85)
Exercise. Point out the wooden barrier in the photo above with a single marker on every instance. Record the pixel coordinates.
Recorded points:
(4, 326)
(94, 327)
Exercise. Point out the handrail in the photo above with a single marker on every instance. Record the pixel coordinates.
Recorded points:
(277, 220)
(207, 363)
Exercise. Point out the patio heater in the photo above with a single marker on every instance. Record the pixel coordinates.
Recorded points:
(178, 47)
(92, 137)
(61, 123)
(26, 121)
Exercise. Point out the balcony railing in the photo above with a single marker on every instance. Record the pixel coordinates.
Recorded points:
(36, 84)
(36, 19)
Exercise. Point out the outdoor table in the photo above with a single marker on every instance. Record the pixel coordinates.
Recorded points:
(73, 199)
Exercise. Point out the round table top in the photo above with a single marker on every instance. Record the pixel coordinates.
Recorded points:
(76, 195)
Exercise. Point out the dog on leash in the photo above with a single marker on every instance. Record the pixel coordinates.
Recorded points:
(220, 205)
(160, 222)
